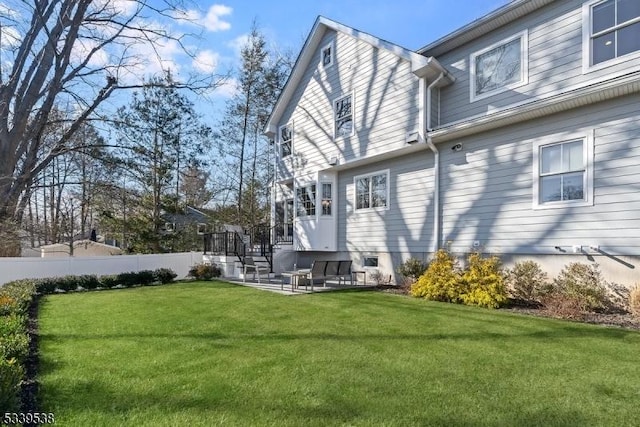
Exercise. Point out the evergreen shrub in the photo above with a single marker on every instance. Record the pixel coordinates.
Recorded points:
(483, 282)
(526, 281)
(441, 281)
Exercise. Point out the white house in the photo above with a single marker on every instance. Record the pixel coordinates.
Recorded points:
(517, 135)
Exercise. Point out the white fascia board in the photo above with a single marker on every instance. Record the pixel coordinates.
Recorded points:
(529, 110)
(484, 25)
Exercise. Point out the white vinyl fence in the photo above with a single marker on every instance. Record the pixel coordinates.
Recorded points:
(34, 268)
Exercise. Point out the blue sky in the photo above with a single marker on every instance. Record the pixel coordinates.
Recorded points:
(223, 26)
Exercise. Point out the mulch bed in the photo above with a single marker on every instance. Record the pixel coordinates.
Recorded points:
(618, 319)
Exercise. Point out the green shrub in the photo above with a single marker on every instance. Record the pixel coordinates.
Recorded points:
(579, 288)
(88, 281)
(18, 293)
(128, 279)
(527, 282)
(586, 283)
(11, 373)
(8, 305)
(441, 281)
(634, 301)
(484, 282)
(164, 275)
(14, 341)
(204, 271)
(109, 281)
(145, 277)
(67, 283)
(411, 269)
(46, 286)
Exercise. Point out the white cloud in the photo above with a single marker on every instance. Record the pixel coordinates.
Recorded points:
(213, 22)
(228, 89)
(83, 47)
(186, 15)
(238, 43)
(206, 61)
(144, 58)
(119, 7)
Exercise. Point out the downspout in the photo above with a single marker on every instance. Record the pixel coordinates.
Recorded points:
(436, 166)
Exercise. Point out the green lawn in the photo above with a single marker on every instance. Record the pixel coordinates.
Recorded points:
(219, 354)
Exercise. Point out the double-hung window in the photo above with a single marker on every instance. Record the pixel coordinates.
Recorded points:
(613, 28)
(499, 67)
(286, 137)
(306, 200)
(372, 191)
(343, 116)
(562, 173)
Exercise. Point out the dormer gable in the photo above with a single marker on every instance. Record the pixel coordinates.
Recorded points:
(421, 66)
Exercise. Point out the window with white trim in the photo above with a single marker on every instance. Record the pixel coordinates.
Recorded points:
(343, 116)
(327, 199)
(286, 138)
(613, 29)
(563, 172)
(306, 200)
(372, 191)
(370, 261)
(499, 67)
(326, 55)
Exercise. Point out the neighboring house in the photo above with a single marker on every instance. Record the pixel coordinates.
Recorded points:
(188, 227)
(81, 248)
(517, 135)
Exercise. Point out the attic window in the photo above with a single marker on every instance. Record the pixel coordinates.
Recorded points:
(327, 55)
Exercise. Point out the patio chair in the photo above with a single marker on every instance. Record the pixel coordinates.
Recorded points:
(251, 267)
(317, 272)
(331, 271)
(344, 271)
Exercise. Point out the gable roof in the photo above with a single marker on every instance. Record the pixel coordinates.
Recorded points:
(421, 66)
(493, 20)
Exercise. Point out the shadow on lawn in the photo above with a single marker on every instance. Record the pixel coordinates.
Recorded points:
(556, 333)
(228, 402)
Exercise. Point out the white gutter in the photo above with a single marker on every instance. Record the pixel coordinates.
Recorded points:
(436, 165)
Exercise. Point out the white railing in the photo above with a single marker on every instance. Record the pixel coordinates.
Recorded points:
(34, 268)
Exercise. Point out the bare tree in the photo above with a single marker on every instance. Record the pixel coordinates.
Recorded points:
(68, 52)
(244, 151)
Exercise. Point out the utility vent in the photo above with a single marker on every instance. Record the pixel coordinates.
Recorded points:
(413, 137)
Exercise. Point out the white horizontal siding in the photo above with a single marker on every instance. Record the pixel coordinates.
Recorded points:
(407, 225)
(385, 106)
(487, 187)
(555, 62)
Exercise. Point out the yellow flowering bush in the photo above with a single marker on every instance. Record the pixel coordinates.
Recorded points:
(441, 281)
(484, 282)
(481, 283)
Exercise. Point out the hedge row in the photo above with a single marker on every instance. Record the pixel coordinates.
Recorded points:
(91, 281)
(15, 299)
